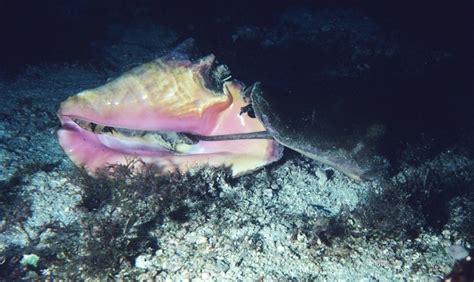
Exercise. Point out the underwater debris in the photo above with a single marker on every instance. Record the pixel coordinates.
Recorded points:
(389, 213)
(433, 196)
(122, 214)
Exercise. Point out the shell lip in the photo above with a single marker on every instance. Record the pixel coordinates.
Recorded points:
(108, 135)
(183, 138)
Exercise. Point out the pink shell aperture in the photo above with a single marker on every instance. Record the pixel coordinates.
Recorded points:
(147, 112)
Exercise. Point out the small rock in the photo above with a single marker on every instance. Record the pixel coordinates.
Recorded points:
(30, 259)
(143, 262)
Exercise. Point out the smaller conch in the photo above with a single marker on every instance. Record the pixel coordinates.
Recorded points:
(172, 113)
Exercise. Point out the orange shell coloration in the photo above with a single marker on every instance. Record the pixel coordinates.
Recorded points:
(165, 95)
(154, 96)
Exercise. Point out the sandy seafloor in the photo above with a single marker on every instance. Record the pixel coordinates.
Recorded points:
(276, 228)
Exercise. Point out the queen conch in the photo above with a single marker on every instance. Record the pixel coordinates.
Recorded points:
(165, 113)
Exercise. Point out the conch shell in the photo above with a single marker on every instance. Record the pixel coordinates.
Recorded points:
(165, 113)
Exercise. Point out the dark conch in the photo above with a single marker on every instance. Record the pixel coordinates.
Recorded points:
(340, 161)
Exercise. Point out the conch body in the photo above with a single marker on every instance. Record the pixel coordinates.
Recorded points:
(152, 112)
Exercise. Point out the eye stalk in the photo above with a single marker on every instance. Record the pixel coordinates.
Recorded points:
(247, 110)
